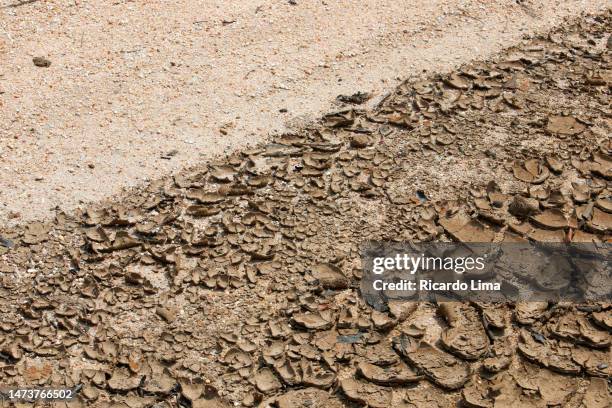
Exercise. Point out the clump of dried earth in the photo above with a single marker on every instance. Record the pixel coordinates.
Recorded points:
(237, 283)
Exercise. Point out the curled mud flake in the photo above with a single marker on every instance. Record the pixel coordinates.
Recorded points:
(463, 229)
(603, 319)
(477, 395)
(443, 139)
(314, 375)
(223, 173)
(168, 313)
(581, 192)
(501, 356)
(382, 321)
(601, 221)
(457, 81)
(339, 119)
(554, 164)
(427, 396)
(578, 329)
(554, 389)
(191, 390)
(380, 354)
(604, 204)
(11, 352)
(37, 372)
(399, 374)
(531, 171)
(237, 358)
(273, 351)
(414, 330)
(546, 235)
(259, 181)
(201, 211)
(365, 393)
(361, 141)
(564, 126)
(494, 317)
(35, 233)
(551, 219)
(602, 165)
(401, 310)
(356, 99)
(530, 312)
(594, 362)
(265, 381)
(307, 398)
(597, 394)
(90, 393)
(441, 368)
(97, 234)
(584, 237)
(123, 240)
(523, 207)
(248, 346)
(539, 193)
(159, 383)
(330, 276)
(313, 321)
(466, 336)
(546, 353)
(279, 329)
(289, 372)
(279, 150)
(204, 197)
(123, 380)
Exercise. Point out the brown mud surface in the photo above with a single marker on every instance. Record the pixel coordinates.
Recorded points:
(236, 284)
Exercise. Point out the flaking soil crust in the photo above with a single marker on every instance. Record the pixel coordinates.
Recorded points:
(98, 96)
(237, 283)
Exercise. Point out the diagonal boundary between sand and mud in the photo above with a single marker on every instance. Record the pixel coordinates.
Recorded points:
(237, 281)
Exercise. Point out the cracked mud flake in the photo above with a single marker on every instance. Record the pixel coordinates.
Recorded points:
(305, 398)
(552, 219)
(548, 353)
(597, 394)
(577, 328)
(122, 380)
(329, 276)
(564, 126)
(266, 381)
(603, 319)
(465, 336)
(399, 374)
(531, 171)
(365, 393)
(35, 233)
(441, 368)
(464, 229)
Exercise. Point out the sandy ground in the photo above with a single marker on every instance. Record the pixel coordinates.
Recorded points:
(132, 81)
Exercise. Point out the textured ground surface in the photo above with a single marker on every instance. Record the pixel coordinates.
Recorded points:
(137, 89)
(236, 283)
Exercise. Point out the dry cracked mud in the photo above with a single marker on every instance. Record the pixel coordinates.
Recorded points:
(236, 283)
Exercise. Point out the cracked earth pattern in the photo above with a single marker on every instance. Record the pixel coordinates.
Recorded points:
(236, 284)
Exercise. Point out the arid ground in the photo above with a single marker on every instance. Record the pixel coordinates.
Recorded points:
(234, 279)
